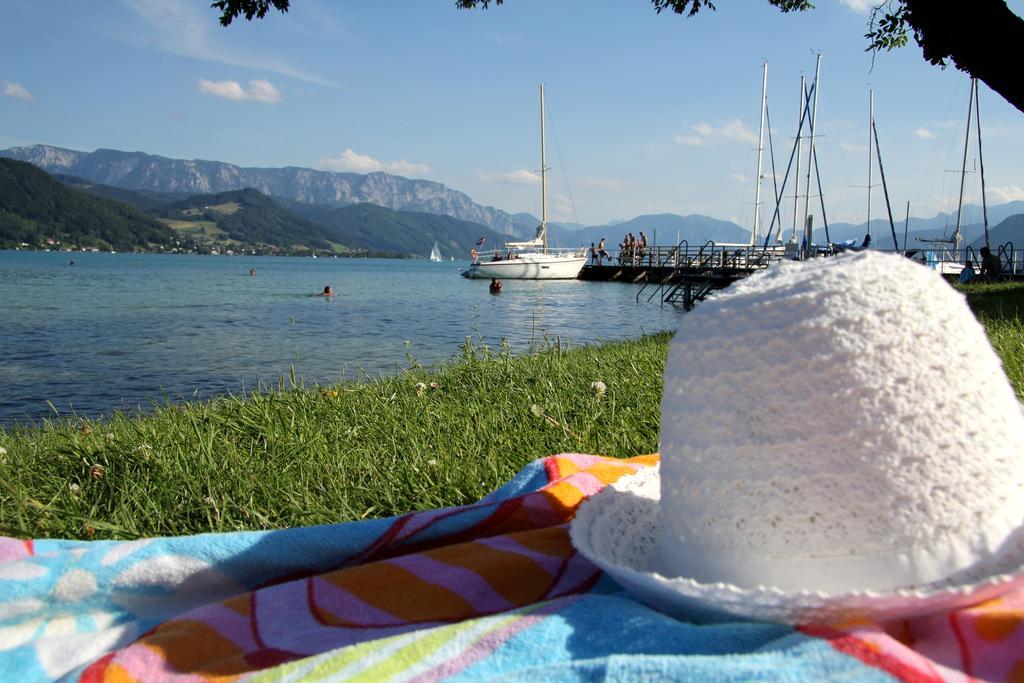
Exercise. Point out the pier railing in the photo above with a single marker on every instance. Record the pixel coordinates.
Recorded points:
(1011, 258)
(685, 274)
(688, 273)
(684, 255)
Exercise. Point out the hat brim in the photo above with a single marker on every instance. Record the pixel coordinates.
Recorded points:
(618, 529)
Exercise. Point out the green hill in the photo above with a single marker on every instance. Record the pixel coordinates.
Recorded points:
(406, 232)
(37, 210)
(246, 219)
(144, 200)
(1009, 230)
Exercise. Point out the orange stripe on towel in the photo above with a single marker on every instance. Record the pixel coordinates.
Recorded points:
(515, 577)
(400, 593)
(194, 647)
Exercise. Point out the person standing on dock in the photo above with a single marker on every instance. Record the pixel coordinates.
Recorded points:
(641, 247)
(601, 253)
(593, 255)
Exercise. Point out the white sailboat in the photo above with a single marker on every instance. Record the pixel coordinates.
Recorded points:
(946, 255)
(435, 253)
(530, 260)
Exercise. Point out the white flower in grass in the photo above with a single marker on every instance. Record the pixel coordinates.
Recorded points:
(432, 462)
(74, 488)
(599, 388)
(421, 389)
(3, 452)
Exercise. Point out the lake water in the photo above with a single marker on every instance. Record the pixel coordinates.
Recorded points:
(122, 331)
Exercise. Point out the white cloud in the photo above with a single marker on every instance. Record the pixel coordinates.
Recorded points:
(17, 90)
(264, 91)
(187, 29)
(852, 148)
(229, 90)
(406, 168)
(259, 90)
(734, 130)
(690, 140)
(520, 177)
(861, 6)
(1007, 193)
(364, 163)
(703, 129)
(561, 208)
(924, 133)
(738, 177)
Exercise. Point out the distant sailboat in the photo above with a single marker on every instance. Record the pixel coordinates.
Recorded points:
(435, 253)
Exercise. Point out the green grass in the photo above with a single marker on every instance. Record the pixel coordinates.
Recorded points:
(310, 455)
(226, 208)
(1000, 308)
(297, 455)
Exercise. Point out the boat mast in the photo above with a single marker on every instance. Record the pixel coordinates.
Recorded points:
(799, 141)
(963, 170)
(760, 154)
(871, 123)
(981, 160)
(906, 227)
(810, 154)
(543, 177)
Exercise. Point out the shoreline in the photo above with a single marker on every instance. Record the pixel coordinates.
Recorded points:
(426, 438)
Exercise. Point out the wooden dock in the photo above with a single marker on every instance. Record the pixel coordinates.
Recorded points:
(682, 275)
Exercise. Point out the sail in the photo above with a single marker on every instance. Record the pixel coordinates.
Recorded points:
(435, 253)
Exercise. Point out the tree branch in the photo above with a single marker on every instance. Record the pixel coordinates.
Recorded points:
(982, 40)
(250, 8)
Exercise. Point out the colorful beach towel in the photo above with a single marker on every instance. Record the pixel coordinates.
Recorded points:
(491, 590)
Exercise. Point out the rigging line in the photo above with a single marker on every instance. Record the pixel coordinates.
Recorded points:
(951, 149)
(821, 195)
(981, 161)
(561, 163)
(885, 188)
(963, 167)
(785, 179)
(775, 178)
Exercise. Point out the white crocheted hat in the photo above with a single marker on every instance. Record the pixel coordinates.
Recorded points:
(838, 439)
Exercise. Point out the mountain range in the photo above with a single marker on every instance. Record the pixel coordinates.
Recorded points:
(149, 172)
(384, 213)
(940, 225)
(237, 221)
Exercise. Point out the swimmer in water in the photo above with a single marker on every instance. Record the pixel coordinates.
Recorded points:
(327, 291)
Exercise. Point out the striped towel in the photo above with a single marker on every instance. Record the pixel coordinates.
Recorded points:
(491, 590)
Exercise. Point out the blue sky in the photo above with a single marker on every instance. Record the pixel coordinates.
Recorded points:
(647, 113)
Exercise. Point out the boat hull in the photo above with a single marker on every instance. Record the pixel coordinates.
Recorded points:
(526, 268)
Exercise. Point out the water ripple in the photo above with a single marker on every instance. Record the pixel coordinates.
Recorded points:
(120, 331)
